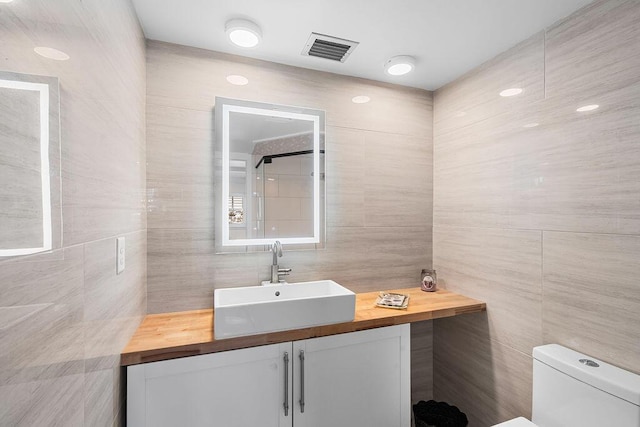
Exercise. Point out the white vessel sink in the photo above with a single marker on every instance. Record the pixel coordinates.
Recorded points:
(260, 309)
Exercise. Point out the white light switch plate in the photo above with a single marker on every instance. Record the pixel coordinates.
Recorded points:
(120, 255)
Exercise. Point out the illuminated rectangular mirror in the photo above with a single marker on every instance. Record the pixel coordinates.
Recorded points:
(30, 218)
(271, 174)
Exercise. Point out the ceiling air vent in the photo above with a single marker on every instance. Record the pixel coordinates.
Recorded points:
(329, 47)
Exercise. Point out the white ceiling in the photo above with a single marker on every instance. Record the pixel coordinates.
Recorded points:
(447, 37)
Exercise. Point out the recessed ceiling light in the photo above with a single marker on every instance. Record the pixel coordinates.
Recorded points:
(51, 53)
(400, 65)
(243, 33)
(360, 99)
(589, 107)
(511, 92)
(6, 1)
(237, 80)
(531, 125)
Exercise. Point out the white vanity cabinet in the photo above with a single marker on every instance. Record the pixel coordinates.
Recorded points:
(231, 388)
(356, 379)
(353, 379)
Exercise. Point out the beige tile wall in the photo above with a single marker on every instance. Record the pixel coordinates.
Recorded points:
(543, 223)
(65, 316)
(364, 148)
(378, 178)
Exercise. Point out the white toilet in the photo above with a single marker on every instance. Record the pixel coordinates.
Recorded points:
(574, 390)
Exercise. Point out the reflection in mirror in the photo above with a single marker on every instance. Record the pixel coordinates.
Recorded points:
(272, 174)
(29, 164)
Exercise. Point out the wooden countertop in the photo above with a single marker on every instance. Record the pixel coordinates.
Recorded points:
(189, 333)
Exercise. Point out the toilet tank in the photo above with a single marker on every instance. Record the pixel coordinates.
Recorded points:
(570, 393)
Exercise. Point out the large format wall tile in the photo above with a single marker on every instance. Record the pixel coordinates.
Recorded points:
(378, 177)
(357, 257)
(48, 401)
(41, 338)
(475, 96)
(65, 315)
(345, 175)
(102, 119)
(500, 174)
(364, 259)
(360, 191)
(103, 182)
(490, 382)
(42, 304)
(594, 51)
(180, 182)
(502, 268)
(589, 176)
(103, 391)
(396, 255)
(184, 270)
(421, 361)
(592, 295)
(343, 250)
(114, 304)
(486, 174)
(522, 186)
(392, 198)
(191, 78)
(485, 161)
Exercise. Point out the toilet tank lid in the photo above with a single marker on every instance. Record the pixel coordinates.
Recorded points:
(606, 377)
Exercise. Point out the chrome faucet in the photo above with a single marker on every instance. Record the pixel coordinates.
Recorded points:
(276, 272)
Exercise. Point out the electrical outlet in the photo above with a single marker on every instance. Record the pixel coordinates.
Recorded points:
(120, 255)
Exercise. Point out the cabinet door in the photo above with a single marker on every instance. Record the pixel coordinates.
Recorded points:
(355, 379)
(239, 388)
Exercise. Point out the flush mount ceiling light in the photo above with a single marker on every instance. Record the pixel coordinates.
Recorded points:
(237, 80)
(243, 33)
(400, 65)
(531, 125)
(51, 53)
(586, 108)
(360, 99)
(511, 92)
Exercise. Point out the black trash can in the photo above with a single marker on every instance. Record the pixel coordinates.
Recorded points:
(438, 414)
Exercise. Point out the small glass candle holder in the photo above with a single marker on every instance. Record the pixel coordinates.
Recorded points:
(429, 280)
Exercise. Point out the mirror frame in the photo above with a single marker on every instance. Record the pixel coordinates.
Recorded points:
(223, 108)
(47, 88)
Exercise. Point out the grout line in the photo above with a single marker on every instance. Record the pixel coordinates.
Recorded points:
(541, 286)
(128, 233)
(374, 131)
(544, 64)
(536, 229)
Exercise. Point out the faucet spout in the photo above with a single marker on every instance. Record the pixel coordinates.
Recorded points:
(276, 271)
(276, 248)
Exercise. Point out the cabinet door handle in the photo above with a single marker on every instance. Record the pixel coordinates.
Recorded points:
(286, 384)
(301, 381)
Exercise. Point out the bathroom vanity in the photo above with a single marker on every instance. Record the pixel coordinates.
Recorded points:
(354, 373)
(359, 378)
